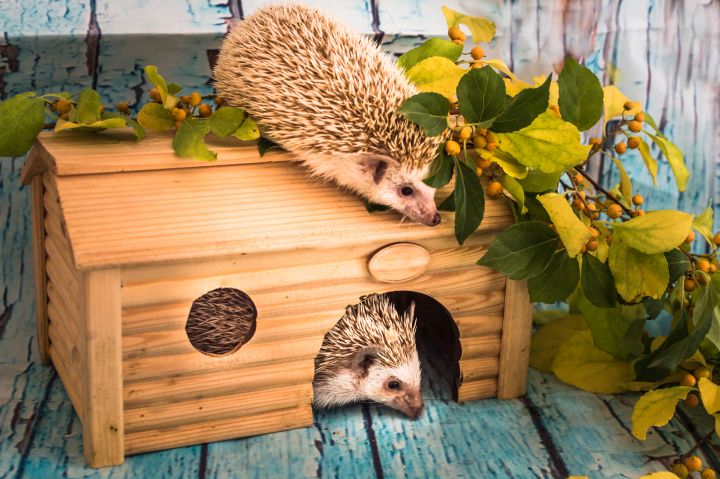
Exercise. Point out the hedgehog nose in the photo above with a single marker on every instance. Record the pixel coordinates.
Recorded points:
(435, 220)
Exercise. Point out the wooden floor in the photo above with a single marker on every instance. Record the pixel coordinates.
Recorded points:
(554, 432)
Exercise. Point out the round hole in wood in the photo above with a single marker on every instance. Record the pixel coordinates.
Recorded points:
(221, 321)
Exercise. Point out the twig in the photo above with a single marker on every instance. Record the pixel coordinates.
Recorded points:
(602, 190)
(702, 441)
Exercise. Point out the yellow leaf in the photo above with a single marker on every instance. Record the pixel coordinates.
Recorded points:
(548, 144)
(656, 408)
(650, 162)
(710, 394)
(625, 185)
(637, 274)
(579, 363)
(573, 233)
(548, 338)
(703, 224)
(510, 165)
(500, 65)
(674, 157)
(481, 29)
(655, 232)
(436, 74)
(614, 101)
(513, 87)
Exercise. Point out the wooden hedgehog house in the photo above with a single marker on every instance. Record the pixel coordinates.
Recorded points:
(127, 237)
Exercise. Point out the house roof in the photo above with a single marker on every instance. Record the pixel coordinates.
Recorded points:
(125, 202)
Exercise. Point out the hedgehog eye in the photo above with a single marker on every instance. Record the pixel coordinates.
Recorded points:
(406, 191)
(393, 385)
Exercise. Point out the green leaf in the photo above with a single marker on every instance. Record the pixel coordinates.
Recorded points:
(248, 130)
(22, 117)
(469, 201)
(168, 99)
(522, 250)
(510, 165)
(548, 144)
(173, 88)
(154, 117)
(448, 204)
(597, 282)
(625, 185)
(581, 95)
(481, 29)
(436, 74)
(557, 282)
(88, 106)
(681, 343)
(481, 94)
(656, 231)
(266, 144)
(539, 182)
(516, 190)
(637, 274)
(579, 363)
(189, 141)
(606, 325)
(674, 157)
(429, 110)
(656, 408)
(650, 162)
(137, 128)
(99, 125)
(442, 169)
(703, 224)
(524, 108)
(434, 47)
(548, 339)
(678, 264)
(226, 120)
(573, 233)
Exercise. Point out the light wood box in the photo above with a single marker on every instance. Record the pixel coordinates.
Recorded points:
(127, 235)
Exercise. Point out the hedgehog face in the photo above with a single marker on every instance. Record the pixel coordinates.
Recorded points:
(402, 189)
(397, 387)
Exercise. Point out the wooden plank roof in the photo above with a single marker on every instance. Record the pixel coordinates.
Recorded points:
(136, 203)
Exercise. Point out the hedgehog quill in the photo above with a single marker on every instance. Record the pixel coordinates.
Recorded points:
(328, 95)
(370, 355)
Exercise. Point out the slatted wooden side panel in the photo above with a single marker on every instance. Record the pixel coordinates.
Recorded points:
(63, 293)
(176, 395)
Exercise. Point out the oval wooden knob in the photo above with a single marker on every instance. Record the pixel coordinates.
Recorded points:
(399, 262)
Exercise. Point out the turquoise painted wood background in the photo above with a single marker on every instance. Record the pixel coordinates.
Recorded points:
(665, 54)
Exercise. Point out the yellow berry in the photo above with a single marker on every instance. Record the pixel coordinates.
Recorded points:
(692, 400)
(155, 94)
(592, 245)
(579, 179)
(594, 232)
(65, 117)
(690, 237)
(102, 108)
(479, 142)
(491, 146)
(680, 470)
(218, 100)
(629, 105)
(640, 116)
(63, 105)
(703, 265)
(195, 99)
(693, 463)
(633, 143)
(484, 163)
(713, 268)
(577, 203)
(609, 239)
(477, 52)
(495, 189)
(205, 110)
(638, 200)
(620, 148)
(708, 474)
(478, 171)
(716, 239)
(635, 126)
(459, 42)
(177, 125)
(491, 137)
(614, 211)
(466, 133)
(123, 107)
(452, 147)
(179, 114)
(456, 34)
(702, 372)
(638, 213)
(595, 141)
(690, 284)
(702, 280)
(185, 99)
(477, 64)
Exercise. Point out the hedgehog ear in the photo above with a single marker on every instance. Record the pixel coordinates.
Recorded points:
(363, 359)
(375, 165)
